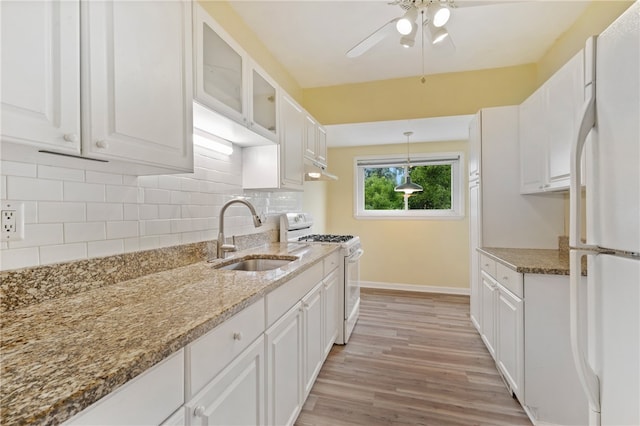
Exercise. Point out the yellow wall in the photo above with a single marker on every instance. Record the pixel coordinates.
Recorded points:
(596, 17)
(420, 252)
(441, 95)
(227, 17)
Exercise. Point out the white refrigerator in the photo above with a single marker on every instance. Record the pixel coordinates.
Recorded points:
(606, 342)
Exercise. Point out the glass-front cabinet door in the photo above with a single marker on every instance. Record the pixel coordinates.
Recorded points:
(220, 65)
(263, 105)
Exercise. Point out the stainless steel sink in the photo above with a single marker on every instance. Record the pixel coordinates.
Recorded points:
(256, 264)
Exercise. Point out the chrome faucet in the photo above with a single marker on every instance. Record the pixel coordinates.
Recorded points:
(222, 247)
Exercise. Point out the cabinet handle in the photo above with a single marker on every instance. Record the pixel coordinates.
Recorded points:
(237, 336)
(199, 411)
(71, 137)
(505, 278)
(547, 185)
(486, 264)
(305, 305)
(101, 143)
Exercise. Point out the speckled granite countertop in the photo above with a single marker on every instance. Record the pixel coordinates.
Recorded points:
(531, 261)
(61, 355)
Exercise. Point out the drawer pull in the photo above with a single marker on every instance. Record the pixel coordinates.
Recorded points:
(237, 336)
(505, 278)
(486, 264)
(199, 411)
(305, 305)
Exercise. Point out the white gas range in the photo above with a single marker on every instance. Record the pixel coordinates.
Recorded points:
(298, 227)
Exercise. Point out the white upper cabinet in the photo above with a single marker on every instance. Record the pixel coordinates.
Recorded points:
(291, 143)
(110, 80)
(548, 120)
(41, 74)
(315, 141)
(137, 69)
(241, 98)
(475, 138)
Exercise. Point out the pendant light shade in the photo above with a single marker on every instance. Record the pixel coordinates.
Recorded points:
(408, 187)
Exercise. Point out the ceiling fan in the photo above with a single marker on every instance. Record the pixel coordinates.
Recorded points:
(433, 16)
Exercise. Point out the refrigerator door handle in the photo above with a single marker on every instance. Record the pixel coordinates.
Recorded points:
(588, 378)
(587, 122)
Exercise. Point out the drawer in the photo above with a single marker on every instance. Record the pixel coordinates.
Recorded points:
(209, 354)
(147, 399)
(280, 300)
(331, 262)
(510, 279)
(488, 265)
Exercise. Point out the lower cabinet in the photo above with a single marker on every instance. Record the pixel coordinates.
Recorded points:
(489, 289)
(255, 368)
(503, 321)
(236, 395)
(284, 341)
(510, 339)
(332, 312)
(313, 350)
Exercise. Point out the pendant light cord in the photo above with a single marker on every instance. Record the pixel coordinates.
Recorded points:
(423, 79)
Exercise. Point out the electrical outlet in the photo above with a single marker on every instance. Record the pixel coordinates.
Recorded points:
(12, 218)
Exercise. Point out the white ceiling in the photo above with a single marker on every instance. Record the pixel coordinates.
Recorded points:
(310, 37)
(438, 129)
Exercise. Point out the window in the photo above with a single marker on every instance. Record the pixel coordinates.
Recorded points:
(439, 175)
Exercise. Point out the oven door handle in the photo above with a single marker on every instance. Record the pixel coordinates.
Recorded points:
(355, 256)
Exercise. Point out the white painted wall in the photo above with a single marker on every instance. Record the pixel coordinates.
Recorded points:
(73, 214)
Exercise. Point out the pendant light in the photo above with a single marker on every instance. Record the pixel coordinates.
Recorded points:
(408, 187)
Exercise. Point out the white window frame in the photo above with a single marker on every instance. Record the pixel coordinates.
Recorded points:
(456, 159)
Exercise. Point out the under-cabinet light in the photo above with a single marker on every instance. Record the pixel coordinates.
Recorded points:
(212, 142)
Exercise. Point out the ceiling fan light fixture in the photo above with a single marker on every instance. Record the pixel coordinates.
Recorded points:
(438, 34)
(407, 23)
(439, 15)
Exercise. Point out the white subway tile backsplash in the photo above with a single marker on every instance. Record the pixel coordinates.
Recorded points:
(105, 248)
(155, 227)
(74, 213)
(157, 196)
(84, 231)
(76, 191)
(101, 212)
(121, 194)
(19, 258)
(60, 173)
(12, 168)
(59, 212)
(62, 253)
(168, 211)
(169, 182)
(148, 211)
(25, 188)
(39, 235)
(131, 212)
(107, 178)
(122, 229)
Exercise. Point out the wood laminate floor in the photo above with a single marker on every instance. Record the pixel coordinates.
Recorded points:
(413, 359)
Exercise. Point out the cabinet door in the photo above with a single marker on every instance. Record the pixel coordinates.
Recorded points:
(321, 146)
(332, 311)
(311, 135)
(533, 141)
(263, 105)
(564, 93)
(475, 138)
(291, 149)
(474, 243)
(510, 339)
(220, 81)
(236, 395)
(41, 73)
(137, 83)
(489, 292)
(313, 314)
(284, 368)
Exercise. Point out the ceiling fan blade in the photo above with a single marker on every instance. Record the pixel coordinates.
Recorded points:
(376, 37)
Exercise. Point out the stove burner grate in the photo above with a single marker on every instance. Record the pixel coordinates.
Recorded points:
(326, 238)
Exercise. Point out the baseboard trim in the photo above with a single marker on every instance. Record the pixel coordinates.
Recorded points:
(417, 288)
